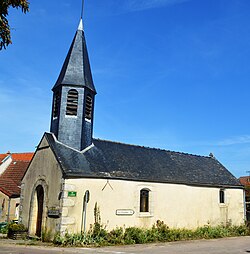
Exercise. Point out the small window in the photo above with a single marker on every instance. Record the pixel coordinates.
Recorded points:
(72, 102)
(222, 196)
(88, 107)
(144, 200)
(56, 104)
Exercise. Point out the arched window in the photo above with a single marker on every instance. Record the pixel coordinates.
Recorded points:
(56, 104)
(144, 200)
(222, 196)
(72, 102)
(88, 107)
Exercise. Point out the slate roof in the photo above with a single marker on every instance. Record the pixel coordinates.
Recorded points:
(106, 159)
(76, 68)
(10, 179)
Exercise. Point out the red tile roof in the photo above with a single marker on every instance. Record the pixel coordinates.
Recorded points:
(245, 180)
(17, 156)
(22, 156)
(9, 187)
(3, 156)
(15, 171)
(10, 179)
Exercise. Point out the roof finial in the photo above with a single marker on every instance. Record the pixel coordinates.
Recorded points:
(82, 9)
(80, 27)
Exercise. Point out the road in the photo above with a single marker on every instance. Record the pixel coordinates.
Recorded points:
(235, 245)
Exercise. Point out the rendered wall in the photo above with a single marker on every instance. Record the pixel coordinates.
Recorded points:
(45, 171)
(5, 202)
(177, 205)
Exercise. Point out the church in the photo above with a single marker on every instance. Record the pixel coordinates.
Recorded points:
(71, 172)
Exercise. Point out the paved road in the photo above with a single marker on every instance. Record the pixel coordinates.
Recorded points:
(234, 245)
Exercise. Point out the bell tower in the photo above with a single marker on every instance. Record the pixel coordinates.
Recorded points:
(74, 97)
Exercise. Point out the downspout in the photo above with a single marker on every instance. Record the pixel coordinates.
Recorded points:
(8, 214)
(245, 208)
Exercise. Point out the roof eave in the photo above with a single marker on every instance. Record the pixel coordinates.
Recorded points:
(208, 185)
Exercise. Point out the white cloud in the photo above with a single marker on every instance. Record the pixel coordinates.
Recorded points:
(139, 5)
(245, 139)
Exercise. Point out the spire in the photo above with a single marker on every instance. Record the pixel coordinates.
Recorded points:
(80, 27)
(76, 68)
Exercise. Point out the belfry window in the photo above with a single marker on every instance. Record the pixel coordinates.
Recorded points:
(72, 102)
(222, 196)
(56, 104)
(88, 107)
(144, 200)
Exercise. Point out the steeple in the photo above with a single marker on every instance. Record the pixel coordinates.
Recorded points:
(76, 68)
(73, 97)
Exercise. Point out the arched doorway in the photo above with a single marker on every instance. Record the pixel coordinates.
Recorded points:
(36, 212)
(40, 201)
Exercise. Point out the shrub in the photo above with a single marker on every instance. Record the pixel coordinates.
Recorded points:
(160, 232)
(116, 236)
(134, 235)
(13, 227)
(3, 228)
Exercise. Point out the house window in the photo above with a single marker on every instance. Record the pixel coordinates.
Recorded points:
(222, 196)
(72, 102)
(144, 200)
(56, 104)
(88, 107)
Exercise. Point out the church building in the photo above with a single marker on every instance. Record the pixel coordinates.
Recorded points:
(72, 172)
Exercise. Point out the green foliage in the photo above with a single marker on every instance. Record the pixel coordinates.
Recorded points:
(5, 37)
(160, 232)
(69, 239)
(14, 227)
(46, 235)
(4, 228)
(116, 236)
(97, 214)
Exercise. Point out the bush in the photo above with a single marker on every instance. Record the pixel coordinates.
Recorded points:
(160, 232)
(17, 231)
(116, 236)
(3, 228)
(13, 227)
(134, 235)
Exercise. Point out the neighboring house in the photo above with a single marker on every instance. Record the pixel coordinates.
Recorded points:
(12, 169)
(245, 180)
(132, 185)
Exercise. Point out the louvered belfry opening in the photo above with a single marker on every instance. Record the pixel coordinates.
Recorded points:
(56, 104)
(72, 102)
(88, 107)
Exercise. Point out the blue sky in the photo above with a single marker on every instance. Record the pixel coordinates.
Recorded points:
(172, 74)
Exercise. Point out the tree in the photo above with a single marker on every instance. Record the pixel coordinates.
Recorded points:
(5, 37)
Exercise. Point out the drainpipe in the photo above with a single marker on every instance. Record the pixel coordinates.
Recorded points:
(244, 202)
(8, 214)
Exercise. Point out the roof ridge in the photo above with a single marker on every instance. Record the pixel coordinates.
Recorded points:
(151, 148)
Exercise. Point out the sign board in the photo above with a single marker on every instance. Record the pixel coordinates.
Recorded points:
(125, 212)
(71, 193)
(53, 212)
